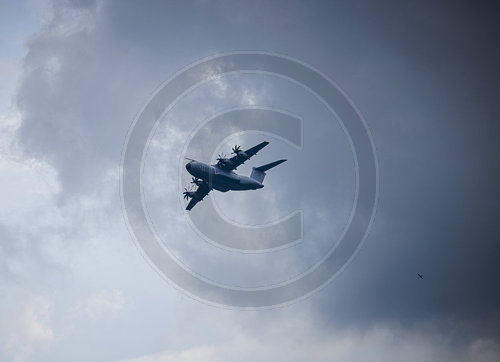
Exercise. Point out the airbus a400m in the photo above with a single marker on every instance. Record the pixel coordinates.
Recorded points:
(221, 176)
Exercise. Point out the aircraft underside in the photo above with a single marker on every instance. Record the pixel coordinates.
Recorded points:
(221, 176)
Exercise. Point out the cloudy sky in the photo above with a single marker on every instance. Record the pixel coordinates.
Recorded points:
(74, 283)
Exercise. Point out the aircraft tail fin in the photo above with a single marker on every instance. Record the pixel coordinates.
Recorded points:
(258, 173)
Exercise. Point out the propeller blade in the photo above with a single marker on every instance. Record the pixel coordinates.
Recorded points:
(188, 193)
(196, 181)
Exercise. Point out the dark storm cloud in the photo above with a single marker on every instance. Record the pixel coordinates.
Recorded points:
(435, 126)
(424, 75)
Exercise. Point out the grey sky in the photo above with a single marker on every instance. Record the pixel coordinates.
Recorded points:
(74, 286)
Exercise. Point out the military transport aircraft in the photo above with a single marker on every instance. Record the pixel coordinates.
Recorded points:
(221, 176)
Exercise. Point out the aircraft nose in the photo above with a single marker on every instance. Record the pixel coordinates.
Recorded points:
(188, 166)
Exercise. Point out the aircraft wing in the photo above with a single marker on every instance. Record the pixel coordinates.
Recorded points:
(239, 159)
(198, 195)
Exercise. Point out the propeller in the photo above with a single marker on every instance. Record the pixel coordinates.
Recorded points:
(188, 193)
(196, 181)
(221, 159)
(236, 149)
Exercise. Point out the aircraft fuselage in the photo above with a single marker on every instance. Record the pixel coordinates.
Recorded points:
(220, 179)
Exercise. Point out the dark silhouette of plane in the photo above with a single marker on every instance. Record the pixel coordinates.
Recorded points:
(420, 276)
(221, 176)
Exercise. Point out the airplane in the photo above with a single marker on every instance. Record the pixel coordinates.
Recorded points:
(221, 176)
(420, 276)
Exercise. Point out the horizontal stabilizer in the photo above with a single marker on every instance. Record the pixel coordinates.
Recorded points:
(264, 168)
(258, 173)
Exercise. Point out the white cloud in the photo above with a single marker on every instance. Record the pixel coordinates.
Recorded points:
(198, 354)
(61, 20)
(10, 119)
(296, 341)
(27, 327)
(103, 304)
